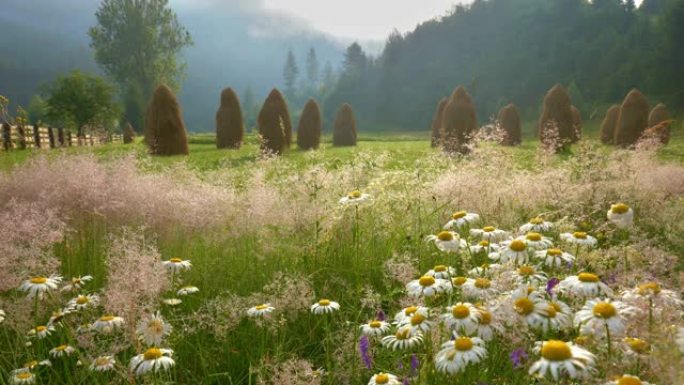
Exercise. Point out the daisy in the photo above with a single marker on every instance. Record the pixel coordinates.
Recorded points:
(486, 325)
(463, 317)
(260, 310)
(556, 316)
(325, 306)
(486, 270)
(177, 265)
(458, 282)
(461, 219)
(107, 323)
(404, 338)
(621, 215)
(528, 274)
(77, 283)
(355, 197)
(636, 346)
(418, 322)
(41, 332)
(34, 364)
(555, 258)
(172, 301)
(375, 328)
(153, 360)
(627, 379)
(531, 308)
(489, 233)
(384, 379)
(562, 359)
(83, 301)
(579, 238)
(39, 285)
(58, 315)
(186, 290)
(152, 329)
(441, 271)
(484, 246)
(103, 364)
(2, 315)
(584, 285)
(597, 315)
(22, 376)
(680, 339)
(427, 286)
(515, 251)
(537, 224)
(479, 288)
(408, 312)
(447, 241)
(61, 351)
(456, 355)
(651, 293)
(536, 241)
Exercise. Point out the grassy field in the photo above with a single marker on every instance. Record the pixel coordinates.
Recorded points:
(273, 231)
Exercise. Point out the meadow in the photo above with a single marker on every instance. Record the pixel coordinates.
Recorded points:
(349, 265)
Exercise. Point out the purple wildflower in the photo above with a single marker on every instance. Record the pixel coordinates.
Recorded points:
(405, 381)
(551, 284)
(415, 363)
(517, 357)
(380, 315)
(364, 348)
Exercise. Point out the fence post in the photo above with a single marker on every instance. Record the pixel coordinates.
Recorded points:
(6, 137)
(51, 136)
(21, 137)
(60, 136)
(69, 138)
(36, 135)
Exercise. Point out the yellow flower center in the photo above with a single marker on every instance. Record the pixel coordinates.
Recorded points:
(484, 243)
(381, 378)
(175, 260)
(459, 214)
(517, 245)
(426, 280)
(31, 364)
(417, 319)
(458, 281)
(526, 270)
(579, 235)
(40, 329)
(551, 311)
(524, 306)
(82, 300)
(619, 208)
(402, 334)
(638, 345)
(324, 302)
(537, 221)
(38, 280)
(649, 288)
(460, 311)
(582, 340)
(375, 324)
(587, 277)
(261, 307)
(629, 381)
(485, 317)
(482, 283)
(24, 375)
(604, 310)
(445, 236)
(61, 348)
(440, 268)
(356, 194)
(410, 310)
(554, 252)
(463, 344)
(156, 325)
(101, 361)
(488, 229)
(152, 354)
(535, 237)
(556, 351)
(106, 318)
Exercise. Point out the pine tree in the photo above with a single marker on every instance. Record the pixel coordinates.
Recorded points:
(435, 137)
(164, 128)
(275, 126)
(230, 129)
(459, 122)
(633, 119)
(509, 121)
(312, 68)
(310, 125)
(609, 123)
(556, 122)
(290, 74)
(344, 131)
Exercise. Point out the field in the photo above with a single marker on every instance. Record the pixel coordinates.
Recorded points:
(299, 230)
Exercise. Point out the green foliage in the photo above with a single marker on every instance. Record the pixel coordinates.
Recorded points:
(290, 74)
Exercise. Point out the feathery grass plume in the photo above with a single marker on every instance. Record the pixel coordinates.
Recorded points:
(633, 119)
(164, 128)
(509, 120)
(557, 108)
(437, 123)
(309, 129)
(275, 126)
(609, 123)
(459, 121)
(230, 128)
(659, 122)
(576, 124)
(344, 131)
(128, 133)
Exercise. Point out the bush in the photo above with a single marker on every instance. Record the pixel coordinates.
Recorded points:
(509, 121)
(633, 119)
(437, 122)
(344, 131)
(128, 133)
(309, 128)
(459, 122)
(230, 128)
(557, 114)
(576, 124)
(164, 129)
(275, 126)
(609, 123)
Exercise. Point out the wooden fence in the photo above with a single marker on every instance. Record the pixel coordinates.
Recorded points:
(19, 138)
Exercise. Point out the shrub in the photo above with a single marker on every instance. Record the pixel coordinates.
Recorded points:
(344, 131)
(609, 123)
(509, 120)
(128, 133)
(633, 119)
(230, 128)
(576, 124)
(309, 128)
(459, 121)
(557, 114)
(275, 126)
(164, 129)
(437, 122)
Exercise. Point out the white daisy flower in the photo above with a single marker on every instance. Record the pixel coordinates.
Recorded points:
(621, 215)
(458, 282)
(489, 233)
(418, 322)
(484, 246)
(479, 288)
(34, 364)
(406, 313)
(636, 346)
(39, 285)
(427, 286)
(515, 251)
(76, 283)
(83, 301)
(22, 376)
(680, 339)
(41, 331)
(103, 364)
(2, 315)
(447, 241)
(487, 326)
(404, 338)
(62, 351)
(172, 301)
(325, 306)
(652, 294)
(598, 314)
(537, 224)
(441, 271)
(536, 241)
(531, 308)
(107, 324)
(555, 258)
(375, 328)
(462, 317)
(153, 360)
(486, 270)
(562, 359)
(584, 285)
(152, 329)
(186, 290)
(384, 379)
(354, 198)
(456, 355)
(58, 315)
(528, 274)
(627, 379)
(461, 219)
(579, 238)
(177, 265)
(260, 310)
(557, 316)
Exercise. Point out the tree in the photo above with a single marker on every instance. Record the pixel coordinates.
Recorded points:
(312, 68)
(136, 43)
(355, 60)
(230, 128)
(250, 107)
(80, 101)
(310, 126)
(164, 128)
(290, 73)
